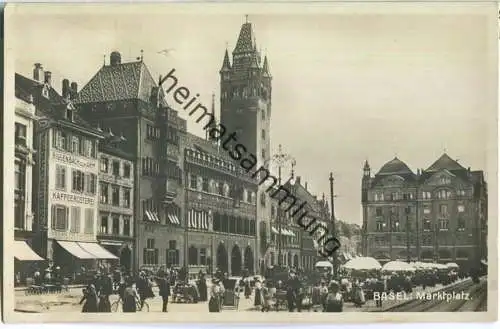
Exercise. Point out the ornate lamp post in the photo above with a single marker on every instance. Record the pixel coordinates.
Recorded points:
(281, 159)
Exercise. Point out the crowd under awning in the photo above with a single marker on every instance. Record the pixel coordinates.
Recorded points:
(23, 252)
(86, 250)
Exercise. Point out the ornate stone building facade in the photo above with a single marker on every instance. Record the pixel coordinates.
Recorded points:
(123, 99)
(438, 214)
(220, 210)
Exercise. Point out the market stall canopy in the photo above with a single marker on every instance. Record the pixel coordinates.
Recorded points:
(363, 263)
(23, 252)
(323, 263)
(452, 265)
(398, 266)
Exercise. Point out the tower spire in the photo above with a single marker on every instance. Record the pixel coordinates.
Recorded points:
(226, 64)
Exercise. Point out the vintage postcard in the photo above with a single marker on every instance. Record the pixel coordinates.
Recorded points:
(250, 163)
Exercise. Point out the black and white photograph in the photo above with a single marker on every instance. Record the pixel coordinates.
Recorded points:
(250, 163)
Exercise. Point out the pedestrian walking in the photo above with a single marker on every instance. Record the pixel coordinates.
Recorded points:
(89, 299)
(106, 289)
(130, 296)
(164, 287)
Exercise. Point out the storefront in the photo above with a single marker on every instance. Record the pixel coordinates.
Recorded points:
(78, 258)
(26, 261)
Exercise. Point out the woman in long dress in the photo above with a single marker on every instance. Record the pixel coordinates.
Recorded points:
(130, 298)
(90, 299)
(333, 301)
(258, 293)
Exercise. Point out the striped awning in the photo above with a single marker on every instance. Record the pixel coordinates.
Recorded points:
(198, 219)
(274, 230)
(173, 218)
(152, 216)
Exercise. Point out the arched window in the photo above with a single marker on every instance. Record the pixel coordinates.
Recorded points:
(263, 199)
(193, 256)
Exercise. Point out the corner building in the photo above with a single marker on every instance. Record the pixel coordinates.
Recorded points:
(436, 215)
(65, 180)
(23, 185)
(245, 97)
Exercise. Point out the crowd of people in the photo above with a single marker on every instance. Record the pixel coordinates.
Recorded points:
(289, 288)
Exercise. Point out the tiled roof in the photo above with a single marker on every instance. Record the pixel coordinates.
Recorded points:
(300, 192)
(118, 82)
(445, 162)
(197, 143)
(245, 40)
(113, 150)
(395, 167)
(53, 106)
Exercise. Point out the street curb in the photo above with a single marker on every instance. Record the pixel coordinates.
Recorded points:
(69, 287)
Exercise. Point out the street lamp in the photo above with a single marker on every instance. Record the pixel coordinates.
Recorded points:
(332, 198)
(281, 159)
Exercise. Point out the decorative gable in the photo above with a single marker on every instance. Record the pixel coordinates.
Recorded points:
(443, 178)
(391, 181)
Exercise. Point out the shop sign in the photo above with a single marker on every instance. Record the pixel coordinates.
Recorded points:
(61, 196)
(73, 160)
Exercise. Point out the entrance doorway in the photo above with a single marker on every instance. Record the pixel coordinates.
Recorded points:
(222, 258)
(249, 260)
(236, 261)
(125, 258)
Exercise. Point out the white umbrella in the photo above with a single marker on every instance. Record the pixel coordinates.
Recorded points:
(397, 266)
(363, 263)
(323, 263)
(452, 265)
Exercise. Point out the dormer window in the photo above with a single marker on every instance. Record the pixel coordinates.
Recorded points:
(45, 92)
(69, 114)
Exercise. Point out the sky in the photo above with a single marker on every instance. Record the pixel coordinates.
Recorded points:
(347, 87)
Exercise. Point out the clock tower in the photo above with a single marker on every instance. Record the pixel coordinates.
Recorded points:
(245, 99)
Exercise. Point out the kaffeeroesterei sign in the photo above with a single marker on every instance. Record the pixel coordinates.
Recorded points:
(74, 198)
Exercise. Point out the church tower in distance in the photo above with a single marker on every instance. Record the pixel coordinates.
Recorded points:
(245, 98)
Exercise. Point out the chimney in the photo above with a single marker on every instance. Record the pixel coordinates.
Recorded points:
(48, 78)
(297, 180)
(73, 90)
(65, 88)
(305, 186)
(115, 58)
(38, 73)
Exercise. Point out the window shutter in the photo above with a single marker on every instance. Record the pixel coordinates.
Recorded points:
(176, 257)
(66, 219)
(145, 256)
(156, 257)
(53, 217)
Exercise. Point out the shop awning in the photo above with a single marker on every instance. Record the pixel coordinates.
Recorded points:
(173, 219)
(152, 217)
(74, 249)
(274, 230)
(23, 252)
(96, 250)
(291, 233)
